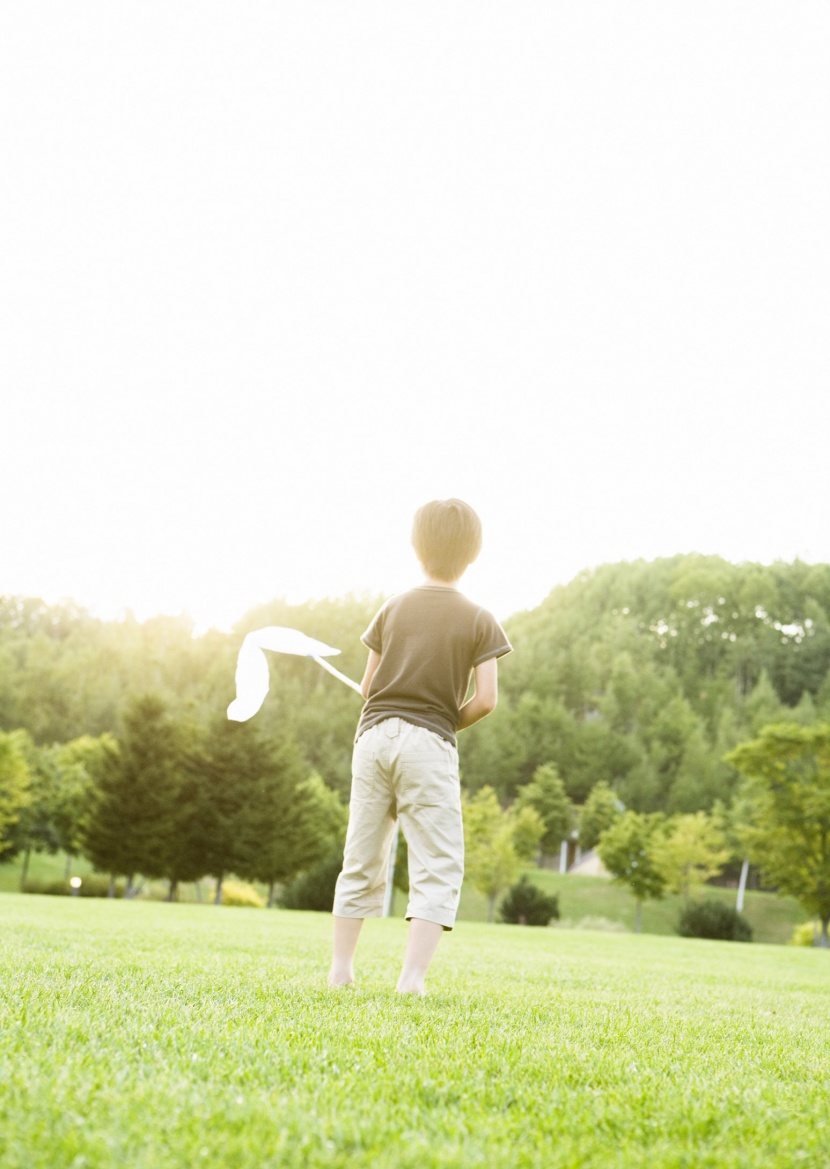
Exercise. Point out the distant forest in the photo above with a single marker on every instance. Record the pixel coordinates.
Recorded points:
(640, 674)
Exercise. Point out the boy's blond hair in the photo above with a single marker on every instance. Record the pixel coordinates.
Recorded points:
(446, 536)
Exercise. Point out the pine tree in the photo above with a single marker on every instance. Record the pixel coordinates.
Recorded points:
(243, 785)
(293, 822)
(132, 823)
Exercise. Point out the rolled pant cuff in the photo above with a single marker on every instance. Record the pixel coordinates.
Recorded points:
(357, 912)
(438, 916)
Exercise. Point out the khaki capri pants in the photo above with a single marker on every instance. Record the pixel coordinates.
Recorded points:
(407, 772)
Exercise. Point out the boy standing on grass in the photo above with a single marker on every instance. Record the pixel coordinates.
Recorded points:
(424, 645)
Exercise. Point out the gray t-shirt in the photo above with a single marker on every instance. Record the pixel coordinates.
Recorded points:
(429, 641)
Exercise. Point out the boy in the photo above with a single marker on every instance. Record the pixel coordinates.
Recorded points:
(424, 645)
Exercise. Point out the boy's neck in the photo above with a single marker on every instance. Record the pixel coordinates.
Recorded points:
(432, 582)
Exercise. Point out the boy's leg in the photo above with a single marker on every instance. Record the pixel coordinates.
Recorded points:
(346, 933)
(361, 885)
(424, 937)
(429, 808)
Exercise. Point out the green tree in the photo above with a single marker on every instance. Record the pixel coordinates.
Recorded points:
(600, 811)
(763, 705)
(698, 778)
(133, 816)
(254, 813)
(546, 794)
(600, 755)
(15, 782)
(35, 829)
(787, 770)
(627, 851)
(77, 763)
(690, 851)
(497, 843)
(296, 821)
(224, 767)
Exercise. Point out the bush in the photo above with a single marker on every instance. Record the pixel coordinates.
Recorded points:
(314, 889)
(803, 935)
(712, 919)
(49, 888)
(526, 904)
(242, 894)
(92, 885)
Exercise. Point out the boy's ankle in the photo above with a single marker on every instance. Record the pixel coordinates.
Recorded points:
(339, 976)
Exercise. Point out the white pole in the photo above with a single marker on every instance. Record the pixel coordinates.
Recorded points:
(739, 904)
(563, 857)
(328, 666)
(390, 874)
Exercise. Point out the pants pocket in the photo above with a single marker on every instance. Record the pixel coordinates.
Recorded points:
(429, 773)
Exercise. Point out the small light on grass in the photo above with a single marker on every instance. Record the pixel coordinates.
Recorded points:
(76, 883)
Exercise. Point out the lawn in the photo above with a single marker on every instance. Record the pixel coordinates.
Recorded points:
(152, 1035)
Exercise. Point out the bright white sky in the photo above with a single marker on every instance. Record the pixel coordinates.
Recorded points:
(272, 275)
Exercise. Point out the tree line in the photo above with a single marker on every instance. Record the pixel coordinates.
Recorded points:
(643, 675)
(638, 679)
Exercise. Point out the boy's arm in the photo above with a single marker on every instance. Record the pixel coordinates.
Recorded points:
(486, 694)
(369, 673)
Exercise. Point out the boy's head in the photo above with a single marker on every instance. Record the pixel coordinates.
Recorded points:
(446, 536)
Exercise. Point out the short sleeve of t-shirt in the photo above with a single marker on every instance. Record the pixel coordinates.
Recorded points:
(373, 637)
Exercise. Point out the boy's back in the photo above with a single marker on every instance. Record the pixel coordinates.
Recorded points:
(429, 640)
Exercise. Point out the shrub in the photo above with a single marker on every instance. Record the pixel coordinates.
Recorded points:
(242, 894)
(314, 889)
(526, 904)
(712, 919)
(803, 935)
(92, 885)
(49, 888)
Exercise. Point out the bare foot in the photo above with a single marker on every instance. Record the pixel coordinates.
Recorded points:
(413, 988)
(340, 978)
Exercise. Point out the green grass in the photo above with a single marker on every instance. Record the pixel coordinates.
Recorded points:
(161, 1036)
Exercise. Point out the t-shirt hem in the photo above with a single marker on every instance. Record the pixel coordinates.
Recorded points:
(407, 717)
